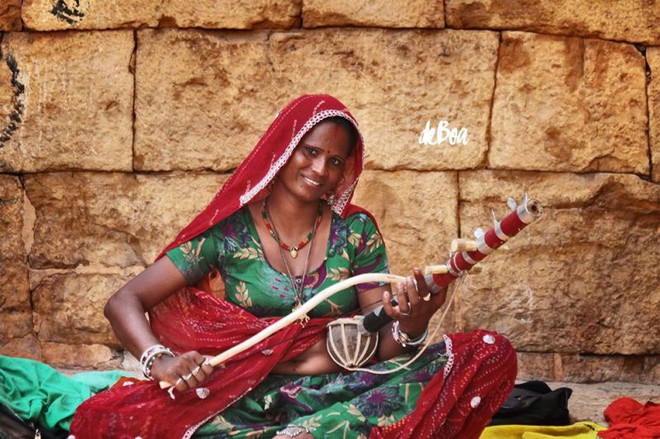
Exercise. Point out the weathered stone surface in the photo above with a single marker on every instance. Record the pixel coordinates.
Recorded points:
(584, 278)
(197, 108)
(536, 366)
(10, 15)
(114, 220)
(15, 309)
(567, 104)
(25, 347)
(631, 20)
(80, 356)
(378, 13)
(15, 325)
(12, 248)
(653, 59)
(73, 111)
(69, 308)
(98, 14)
(205, 98)
(416, 213)
(596, 368)
(582, 368)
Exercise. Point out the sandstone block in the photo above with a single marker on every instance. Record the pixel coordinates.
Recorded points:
(630, 20)
(581, 279)
(88, 356)
(205, 98)
(380, 13)
(10, 15)
(653, 58)
(536, 366)
(581, 368)
(416, 214)
(111, 219)
(197, 108)
(96, 14)
(596, 368)
(69, 308)
(15, 308)
(568, 104)
(16, 325)
(73, 111)
(12, 247)
(25, 347)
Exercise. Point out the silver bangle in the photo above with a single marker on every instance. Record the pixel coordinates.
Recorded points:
(292, 431)
(404, 339)
(150, 355)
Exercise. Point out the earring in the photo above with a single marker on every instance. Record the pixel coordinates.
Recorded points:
(331, 198)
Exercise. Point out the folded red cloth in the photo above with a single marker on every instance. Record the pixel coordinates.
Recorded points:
(630, 419)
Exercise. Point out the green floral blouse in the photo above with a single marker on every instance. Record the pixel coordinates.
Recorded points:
(233, 246)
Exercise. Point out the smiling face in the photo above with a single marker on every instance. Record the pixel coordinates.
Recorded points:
(317, 163)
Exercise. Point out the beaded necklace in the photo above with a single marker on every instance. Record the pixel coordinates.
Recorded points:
(293, 251)
(297, 285)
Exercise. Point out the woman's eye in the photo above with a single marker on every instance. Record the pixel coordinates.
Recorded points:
(311, 151)
(336, 162)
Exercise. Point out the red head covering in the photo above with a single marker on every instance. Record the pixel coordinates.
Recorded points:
(250, 181)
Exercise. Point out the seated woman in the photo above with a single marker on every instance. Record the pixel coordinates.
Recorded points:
(279, 231)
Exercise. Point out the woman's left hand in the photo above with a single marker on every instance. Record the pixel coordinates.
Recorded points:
(416, 304)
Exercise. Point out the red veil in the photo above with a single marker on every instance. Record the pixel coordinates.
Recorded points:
(193, 319)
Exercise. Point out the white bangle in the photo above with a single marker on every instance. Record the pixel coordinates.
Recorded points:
(404, 339)
(150, 355)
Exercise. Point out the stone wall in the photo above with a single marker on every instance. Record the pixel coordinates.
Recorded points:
(119, 120)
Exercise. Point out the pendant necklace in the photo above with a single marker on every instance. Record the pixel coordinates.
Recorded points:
(293, 251)
(298, 285)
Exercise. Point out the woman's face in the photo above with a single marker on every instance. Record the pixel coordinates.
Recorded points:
(317, 164)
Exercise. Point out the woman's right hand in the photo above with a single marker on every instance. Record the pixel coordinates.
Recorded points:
(186, 371)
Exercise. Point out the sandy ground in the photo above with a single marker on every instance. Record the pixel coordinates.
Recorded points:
(588, 401)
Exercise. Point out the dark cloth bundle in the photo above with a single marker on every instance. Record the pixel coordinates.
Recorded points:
(534, 403)
(13, 427)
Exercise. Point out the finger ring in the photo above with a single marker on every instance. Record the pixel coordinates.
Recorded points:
(427, 298)
(202, 392)
(187, 377)
(405, 314)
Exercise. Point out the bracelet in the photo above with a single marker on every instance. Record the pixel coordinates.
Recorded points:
(150, 355)
(292, 431)
(404, 339)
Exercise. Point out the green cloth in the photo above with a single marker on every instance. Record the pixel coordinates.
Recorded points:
(40, 394)
(579, 430)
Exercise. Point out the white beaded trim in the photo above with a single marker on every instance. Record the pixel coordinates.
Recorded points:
(450, 356)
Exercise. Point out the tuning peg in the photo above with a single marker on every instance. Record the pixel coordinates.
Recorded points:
(463, 245)
(435, 269)
(512, 204)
